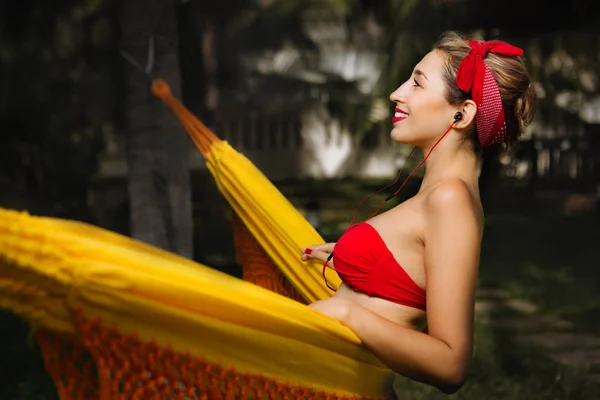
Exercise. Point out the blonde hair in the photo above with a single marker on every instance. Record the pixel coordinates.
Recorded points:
(517, 93)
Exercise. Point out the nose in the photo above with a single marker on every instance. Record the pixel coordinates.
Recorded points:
(399, 95)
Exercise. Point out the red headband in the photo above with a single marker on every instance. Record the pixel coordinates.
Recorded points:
(475, 76)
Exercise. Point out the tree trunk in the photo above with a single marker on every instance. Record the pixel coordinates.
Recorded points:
(156, 146)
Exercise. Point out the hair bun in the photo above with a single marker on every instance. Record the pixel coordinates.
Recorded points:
(525, 107)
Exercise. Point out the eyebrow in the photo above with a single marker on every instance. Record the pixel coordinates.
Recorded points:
(420, 73)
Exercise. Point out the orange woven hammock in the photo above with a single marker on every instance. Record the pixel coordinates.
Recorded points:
(105, 365)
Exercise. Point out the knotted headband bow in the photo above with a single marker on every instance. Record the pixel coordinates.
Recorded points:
(474, 76)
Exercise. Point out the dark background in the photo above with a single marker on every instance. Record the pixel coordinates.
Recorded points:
(83, 138)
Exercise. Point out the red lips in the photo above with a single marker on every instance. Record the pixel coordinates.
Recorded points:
(399, 115)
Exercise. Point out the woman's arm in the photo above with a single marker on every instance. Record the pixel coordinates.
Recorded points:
(452, 245)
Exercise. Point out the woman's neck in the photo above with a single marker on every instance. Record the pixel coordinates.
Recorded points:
(448, 161)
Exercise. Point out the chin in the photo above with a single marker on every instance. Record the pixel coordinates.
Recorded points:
(399, 136)
(419, 139)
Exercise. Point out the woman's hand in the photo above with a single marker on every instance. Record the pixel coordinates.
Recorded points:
(319, 252)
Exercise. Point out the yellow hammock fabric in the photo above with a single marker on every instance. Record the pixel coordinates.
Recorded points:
(278, 227)
(119, 319)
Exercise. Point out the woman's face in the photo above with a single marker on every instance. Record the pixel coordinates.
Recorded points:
(422, 112)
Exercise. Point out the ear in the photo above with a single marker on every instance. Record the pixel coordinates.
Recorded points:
(468, 111)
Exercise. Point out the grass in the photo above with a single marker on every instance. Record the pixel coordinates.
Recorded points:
(549, 260)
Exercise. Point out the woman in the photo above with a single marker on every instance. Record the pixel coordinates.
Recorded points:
(417, 263)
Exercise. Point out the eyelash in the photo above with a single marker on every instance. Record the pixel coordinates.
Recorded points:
(416, 83)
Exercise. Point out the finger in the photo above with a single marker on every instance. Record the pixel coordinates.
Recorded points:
(306, 251)
(309, 250)
(306, 254)
(310, 253)
(318, 255)
(326, 247)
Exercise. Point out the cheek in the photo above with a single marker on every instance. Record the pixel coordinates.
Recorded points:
(429, 119)
(432, 109)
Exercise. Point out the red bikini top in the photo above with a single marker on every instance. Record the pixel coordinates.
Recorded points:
(365, 264)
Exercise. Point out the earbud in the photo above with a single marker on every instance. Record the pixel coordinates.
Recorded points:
(457, 117)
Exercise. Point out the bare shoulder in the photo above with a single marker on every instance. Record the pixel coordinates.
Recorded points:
(454, 197)
(452, 192)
